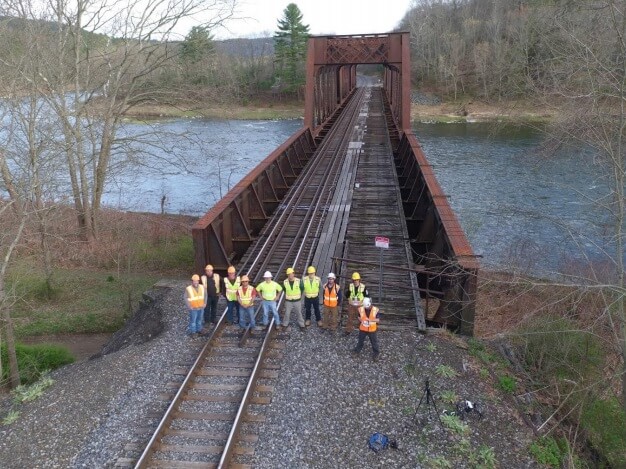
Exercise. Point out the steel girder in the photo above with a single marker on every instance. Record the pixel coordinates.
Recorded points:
(437, 239)
(224, 234)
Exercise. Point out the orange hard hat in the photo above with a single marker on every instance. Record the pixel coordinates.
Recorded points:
(195, 277)
(208, 267)
(231, 270)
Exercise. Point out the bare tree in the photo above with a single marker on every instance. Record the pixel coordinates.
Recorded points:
(94, 60)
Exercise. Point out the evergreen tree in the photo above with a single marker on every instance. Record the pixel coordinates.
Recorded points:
(197, 45)
(290, 49)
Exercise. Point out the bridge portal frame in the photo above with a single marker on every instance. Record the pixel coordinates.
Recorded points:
(331, 74)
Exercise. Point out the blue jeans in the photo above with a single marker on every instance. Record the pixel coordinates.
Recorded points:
(267, 305)
(196, 318)
(246, 316)
(232, 311)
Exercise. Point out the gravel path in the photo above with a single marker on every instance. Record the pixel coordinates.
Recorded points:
(325, 406)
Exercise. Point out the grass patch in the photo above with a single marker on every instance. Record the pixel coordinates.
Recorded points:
(604, 422)
(446, 371)
(34, 360)
(548, 451)
(176, 254)
(507, 384)
(454, 424)
(29, 393)
(449, 397)
(85, 301)
(11, 417)
(484, 458)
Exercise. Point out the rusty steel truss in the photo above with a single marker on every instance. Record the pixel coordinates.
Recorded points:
(447, 266)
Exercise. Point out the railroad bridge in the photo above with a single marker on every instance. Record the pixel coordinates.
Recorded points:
(355, 171)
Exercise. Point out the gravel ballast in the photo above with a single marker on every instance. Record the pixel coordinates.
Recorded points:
(325, 405)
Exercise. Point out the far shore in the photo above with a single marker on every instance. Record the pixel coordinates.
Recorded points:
(446, 112)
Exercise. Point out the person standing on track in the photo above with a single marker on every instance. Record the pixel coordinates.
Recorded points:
(368, 318)
(356, 293)
(311, 284)
(245, 296)
(293, 299)
(269, 291)
(231, 284)
(195, 301)
(211, 284)
(332, 300)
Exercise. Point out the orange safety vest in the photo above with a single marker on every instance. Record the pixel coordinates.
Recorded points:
(216, 280)
(195, 297)
(246, 298)
(367, 323)
(330, 296)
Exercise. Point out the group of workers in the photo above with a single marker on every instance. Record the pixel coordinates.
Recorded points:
(202, 295)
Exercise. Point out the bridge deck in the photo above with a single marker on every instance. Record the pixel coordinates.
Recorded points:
(367, 204)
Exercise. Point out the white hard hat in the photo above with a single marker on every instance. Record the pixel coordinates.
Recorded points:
(267, 274)
(331, 275)
(367, 302)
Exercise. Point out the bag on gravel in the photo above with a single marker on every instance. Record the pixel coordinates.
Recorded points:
(378, 442)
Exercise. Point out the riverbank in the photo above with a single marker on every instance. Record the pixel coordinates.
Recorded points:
(435, 111)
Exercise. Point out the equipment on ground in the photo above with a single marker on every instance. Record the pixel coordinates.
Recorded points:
(464, 408)
(289, 271)
(267, 274)
(378, 442)
(310, 270)
(430, 399)
(356, 276)
(331, 275)
(367, 302)
(231, 270)
(208, 267)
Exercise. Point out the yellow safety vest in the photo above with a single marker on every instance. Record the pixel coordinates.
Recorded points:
(357, 295)
(231, 288)
(246, 298)
(292, 293)
(216, 280)
(268, 290)
(367, 324)
(311, 288)
(330, 296)
(195, 297)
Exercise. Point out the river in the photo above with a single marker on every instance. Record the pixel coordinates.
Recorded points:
(519, 208)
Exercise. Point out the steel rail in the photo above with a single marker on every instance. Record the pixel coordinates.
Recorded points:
(350, 111)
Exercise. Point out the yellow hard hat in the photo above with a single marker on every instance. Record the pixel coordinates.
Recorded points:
(289, 271)
(244, 278)
(356, 276)
(208, 267)
(310, 270)
(195, 277)
(231, 270)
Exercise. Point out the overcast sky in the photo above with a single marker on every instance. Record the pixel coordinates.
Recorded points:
(322, 16)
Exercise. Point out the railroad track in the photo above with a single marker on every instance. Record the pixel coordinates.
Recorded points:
(214, 415)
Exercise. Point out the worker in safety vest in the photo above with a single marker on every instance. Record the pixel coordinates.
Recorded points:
(332, 300)
(269, 291)
(195, 301)
(293, 299)
(311, 284)
(245, 297)
(356, 293)
(368, 318)
(231, 284)
(211, 284)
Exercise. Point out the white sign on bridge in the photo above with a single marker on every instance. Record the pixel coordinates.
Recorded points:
(382, 242)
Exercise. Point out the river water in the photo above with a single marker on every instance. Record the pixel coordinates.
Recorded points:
(519, 207)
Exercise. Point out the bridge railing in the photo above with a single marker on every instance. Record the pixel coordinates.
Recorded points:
(437, 240)
(226, 231)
